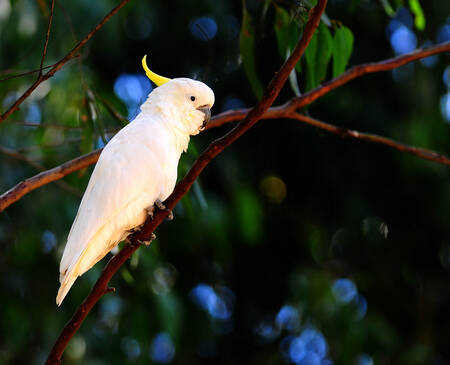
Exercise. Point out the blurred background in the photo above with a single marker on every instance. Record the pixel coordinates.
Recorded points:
(294, 246)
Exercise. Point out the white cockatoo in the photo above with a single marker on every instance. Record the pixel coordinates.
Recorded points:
(136, 170)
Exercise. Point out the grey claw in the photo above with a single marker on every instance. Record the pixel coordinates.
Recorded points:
(161, 206)
(150, 211)
(134, 230)
(147, 243)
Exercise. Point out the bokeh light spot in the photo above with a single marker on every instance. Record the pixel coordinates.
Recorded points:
(131, 348)
(297, 350)
(364, 359)
(288, 318)
(218, 303)
(314, 342)
(48, 240)
(33, 113)
(445, 106)
(27, 24)
(443, 33)
(274, 189)
(430, 61)
(361, 308)
(403, 40)
(133, 90)
(446, 77)
(164, 278)
(266, 330)
(231, 102)
(344, 290)
(162, 349)
(76, 348)
(203, 28)
(310, 358)
(309, 348)
(5, 9)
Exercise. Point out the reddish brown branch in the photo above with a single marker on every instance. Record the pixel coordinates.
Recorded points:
(61, 63)
(344, 132)
(284, 111)
(364, 69)
(271, 92)
(46, 177)
(47, 37)
(25, 73)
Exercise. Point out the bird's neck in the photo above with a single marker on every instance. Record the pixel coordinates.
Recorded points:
(174, 126)
(180, 137)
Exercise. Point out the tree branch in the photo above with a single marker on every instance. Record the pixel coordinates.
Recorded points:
(25, 73)
(42, 77)
(47, 37)
(270, 94)
(21, 157)
(344, 132)
(364, 69)
(45, 177)
(25, 123)
(286, 110)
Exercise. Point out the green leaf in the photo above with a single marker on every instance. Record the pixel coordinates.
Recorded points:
(387, 7)
(419, 18)
(318, 56)
(249, 216)
(287, 33)
(342, 49)
(247, 46)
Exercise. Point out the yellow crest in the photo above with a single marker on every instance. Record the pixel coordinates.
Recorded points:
(158, 80)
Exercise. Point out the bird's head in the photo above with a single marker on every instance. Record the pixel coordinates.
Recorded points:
(188, 102)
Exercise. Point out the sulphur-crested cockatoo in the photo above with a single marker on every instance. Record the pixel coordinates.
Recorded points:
(136, 169)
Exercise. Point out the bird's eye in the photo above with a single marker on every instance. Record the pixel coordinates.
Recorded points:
(193, 98)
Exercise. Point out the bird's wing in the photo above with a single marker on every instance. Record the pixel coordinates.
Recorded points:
(124, 170)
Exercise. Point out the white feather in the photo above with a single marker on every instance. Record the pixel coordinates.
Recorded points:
(137, 167)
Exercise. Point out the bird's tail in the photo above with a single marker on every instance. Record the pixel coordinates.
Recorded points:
(66, 284)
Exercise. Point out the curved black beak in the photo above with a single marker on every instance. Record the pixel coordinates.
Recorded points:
(207, 111)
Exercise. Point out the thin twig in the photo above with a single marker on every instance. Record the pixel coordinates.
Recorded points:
(69, 23)
(282, 111)
(61, 62)
(24, 73)
(25, 123)
(270, 94)
(47, 37)
(344, 132)
(113, 111)
(45, 177)
(19, 156)
(364, 69)
(64, 143)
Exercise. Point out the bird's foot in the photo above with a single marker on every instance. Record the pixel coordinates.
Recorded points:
(159, 204)
(134, 230)
(150, 210)
(147, 243)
